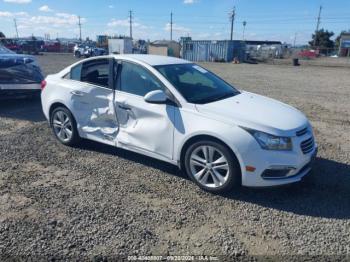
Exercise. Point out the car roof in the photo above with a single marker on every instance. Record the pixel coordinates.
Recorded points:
(153, 60)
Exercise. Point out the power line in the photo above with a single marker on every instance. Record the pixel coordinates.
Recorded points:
(254, 24)
(16, 27)
(318, 24)
(219, 23)
(130, 22)
(290, 20)
(263, 16)
(79, 24)
(171, 26)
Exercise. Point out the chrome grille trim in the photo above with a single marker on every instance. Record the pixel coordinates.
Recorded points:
(302, 131)
(307, 145)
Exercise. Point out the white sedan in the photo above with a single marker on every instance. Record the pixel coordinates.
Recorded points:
(176, 111)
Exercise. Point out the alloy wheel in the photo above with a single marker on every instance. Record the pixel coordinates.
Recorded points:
(209, 166)
(62, 126)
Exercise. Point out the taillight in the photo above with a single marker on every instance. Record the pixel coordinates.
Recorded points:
(43, 84)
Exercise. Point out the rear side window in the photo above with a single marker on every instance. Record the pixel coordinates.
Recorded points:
(135, 79)
(75, 72)
(95, 72)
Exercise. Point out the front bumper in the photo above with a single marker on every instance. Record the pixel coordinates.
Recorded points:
(285, 172)
(297, 162)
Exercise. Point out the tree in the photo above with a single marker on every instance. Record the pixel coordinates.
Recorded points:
(2, 35)
(323, 40)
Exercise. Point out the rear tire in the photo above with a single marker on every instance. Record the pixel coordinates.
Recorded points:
(64, 126)
(212, 166)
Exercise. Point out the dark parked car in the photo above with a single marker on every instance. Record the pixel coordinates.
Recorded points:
(20, 75)
(11, 44)
(51, 46)
(30, 46)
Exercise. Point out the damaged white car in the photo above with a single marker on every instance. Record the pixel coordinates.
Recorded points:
(178, 112)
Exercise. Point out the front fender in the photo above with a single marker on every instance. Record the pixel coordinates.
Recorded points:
(190, 125)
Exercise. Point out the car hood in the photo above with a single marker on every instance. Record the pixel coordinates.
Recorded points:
(256, 112)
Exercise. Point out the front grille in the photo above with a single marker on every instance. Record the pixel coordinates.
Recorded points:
(308, 145)
(302, 132)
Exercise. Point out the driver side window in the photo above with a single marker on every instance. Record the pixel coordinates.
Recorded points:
(135, 79)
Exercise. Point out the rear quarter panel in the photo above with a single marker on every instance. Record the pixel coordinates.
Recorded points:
(57, 90)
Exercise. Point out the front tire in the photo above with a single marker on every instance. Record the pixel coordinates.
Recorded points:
(64, 126)
(212, 166)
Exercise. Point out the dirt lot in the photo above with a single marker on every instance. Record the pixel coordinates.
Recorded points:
(97, 201)
(343, 62)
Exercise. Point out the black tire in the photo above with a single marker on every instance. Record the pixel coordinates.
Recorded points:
(77, 54)
(234, 176)
(74, 139)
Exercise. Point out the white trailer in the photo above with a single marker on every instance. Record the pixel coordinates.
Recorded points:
(120, 46)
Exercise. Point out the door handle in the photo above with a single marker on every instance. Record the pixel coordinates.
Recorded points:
(77, 93)
(124, 107)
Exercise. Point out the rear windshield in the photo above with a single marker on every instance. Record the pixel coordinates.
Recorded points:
(19, 70)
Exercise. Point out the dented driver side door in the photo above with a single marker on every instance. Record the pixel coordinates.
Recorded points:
(142, 126)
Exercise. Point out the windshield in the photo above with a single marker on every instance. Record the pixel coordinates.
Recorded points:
(196, 84)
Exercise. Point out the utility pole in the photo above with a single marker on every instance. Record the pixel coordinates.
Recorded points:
(318, 24)
(295, 39)
(232, 16)
(130, 21)
(244, 25)
(16, 27)
(171, 26)
(79, 24)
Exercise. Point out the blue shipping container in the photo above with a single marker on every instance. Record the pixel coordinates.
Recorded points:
(209, 51)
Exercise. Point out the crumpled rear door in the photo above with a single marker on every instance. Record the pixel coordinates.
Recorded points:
(93, 103)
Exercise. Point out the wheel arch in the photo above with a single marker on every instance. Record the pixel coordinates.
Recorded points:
(56, 105)
(75, 138)
(200, 137)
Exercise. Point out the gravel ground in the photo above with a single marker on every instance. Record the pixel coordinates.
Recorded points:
(320, 61)
(101, 202)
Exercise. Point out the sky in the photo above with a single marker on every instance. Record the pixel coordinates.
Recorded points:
(201, 19)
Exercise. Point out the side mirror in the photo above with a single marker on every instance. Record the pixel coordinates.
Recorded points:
(156, 97)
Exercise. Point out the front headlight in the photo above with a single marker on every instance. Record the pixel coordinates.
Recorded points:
(271, 142)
